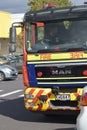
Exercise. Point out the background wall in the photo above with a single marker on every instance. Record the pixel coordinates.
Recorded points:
(6, 20)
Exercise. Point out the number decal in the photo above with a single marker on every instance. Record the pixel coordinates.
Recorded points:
(76, 55)
(45, 57)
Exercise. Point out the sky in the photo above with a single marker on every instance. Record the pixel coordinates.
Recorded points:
(14, 6)
(20, 6)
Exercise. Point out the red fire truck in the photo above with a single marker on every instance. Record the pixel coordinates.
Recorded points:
(54, 70)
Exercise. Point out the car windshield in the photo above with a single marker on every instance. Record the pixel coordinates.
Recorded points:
(60, 36)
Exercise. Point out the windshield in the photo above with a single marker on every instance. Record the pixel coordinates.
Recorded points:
(60, 36)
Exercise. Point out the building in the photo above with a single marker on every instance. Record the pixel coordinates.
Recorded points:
(17, 17)
(5, 23)
(6, 20)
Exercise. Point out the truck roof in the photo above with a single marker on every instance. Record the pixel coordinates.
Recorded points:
(56, 14)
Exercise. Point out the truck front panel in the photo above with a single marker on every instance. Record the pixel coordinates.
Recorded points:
(55, 84)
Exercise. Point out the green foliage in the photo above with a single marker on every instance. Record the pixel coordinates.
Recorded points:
(38, 4)
(20, 39)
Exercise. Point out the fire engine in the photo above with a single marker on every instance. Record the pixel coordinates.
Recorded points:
(54, 70)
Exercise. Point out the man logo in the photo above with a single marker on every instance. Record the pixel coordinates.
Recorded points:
(61, 72)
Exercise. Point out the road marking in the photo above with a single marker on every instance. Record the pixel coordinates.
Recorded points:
(1, 90)
(10, 93)
(21, 95)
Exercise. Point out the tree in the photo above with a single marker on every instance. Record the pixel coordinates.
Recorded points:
(38, 4)
(20, 39)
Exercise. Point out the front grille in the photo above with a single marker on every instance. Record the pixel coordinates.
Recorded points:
(57, 73)
(64, 103)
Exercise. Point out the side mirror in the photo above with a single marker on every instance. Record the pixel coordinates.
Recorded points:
(12, 48)
(13, 34)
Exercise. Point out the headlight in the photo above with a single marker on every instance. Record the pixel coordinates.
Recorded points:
(7, 70)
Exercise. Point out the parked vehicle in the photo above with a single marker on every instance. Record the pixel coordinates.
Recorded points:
(7, 72)
(3, 60)
(81, 123)
(17, 62)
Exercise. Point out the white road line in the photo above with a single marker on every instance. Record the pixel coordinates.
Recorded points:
(21, 95)
(1, 90)
(10, 93)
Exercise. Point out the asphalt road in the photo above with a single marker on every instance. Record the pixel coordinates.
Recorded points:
(13, 114)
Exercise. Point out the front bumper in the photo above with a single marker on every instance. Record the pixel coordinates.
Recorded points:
(44, 99)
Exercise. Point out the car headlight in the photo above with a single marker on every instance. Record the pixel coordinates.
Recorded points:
(7, 70)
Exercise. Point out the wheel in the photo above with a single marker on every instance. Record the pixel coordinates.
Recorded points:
(2, 76)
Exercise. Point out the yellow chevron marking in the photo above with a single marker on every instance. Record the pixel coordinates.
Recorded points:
(72, 97)
(45, 105)
(79, 90)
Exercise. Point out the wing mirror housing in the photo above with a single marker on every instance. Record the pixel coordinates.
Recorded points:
(12, 46)
(13, 34)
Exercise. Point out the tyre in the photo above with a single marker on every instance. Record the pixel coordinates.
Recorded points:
(2, 76)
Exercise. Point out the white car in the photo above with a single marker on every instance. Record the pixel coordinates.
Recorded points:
(81, 122)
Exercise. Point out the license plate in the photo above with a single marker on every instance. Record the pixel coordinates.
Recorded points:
(63, 97)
